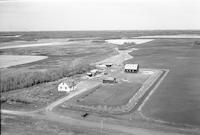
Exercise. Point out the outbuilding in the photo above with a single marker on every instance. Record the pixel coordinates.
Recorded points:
(92, 72)
(131, 68)
(89, 74)
(109, 80)
(108, 64)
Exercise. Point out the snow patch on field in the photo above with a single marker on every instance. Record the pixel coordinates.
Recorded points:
(13, 60)
(10, 36)
(171, 36)
(122, 41)
(34, 45)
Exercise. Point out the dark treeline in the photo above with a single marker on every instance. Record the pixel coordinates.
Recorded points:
(18, 80)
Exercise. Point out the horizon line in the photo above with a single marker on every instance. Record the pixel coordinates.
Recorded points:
(103, 30)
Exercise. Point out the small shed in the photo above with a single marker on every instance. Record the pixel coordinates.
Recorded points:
(89, 74)
(84, 115)
(109, 80)
(92, 72)
(131, 68)
(108, 64)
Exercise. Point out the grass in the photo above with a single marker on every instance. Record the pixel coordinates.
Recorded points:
(21, 125)
(34, 85)
(62, 61)
(81, 52)
(177, 98)
(111, 95)
(107, 98)
(32, 97)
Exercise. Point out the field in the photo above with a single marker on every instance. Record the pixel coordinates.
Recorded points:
(176, 100)
(114, 98)
(170, 103)
(19, 125)
(180, 88)
(36, 83)
(34, 97)
(111, 95)
(31, 36)
(86, 51)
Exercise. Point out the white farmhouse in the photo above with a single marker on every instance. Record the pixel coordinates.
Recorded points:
(65, 87)
(94, 71)
(131, 68)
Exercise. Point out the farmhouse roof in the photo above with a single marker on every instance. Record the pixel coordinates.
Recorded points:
(69, 83)
(93, 70)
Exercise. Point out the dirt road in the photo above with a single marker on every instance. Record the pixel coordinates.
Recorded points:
(106, 126)
(89, 124)
(119, 58)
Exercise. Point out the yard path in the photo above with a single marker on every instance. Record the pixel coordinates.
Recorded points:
(119, 58)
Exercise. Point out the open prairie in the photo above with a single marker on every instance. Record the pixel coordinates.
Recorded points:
(58, 55)
(177, 99)
(169, 104)
(32, 36)
(19, 125)
(27, 73)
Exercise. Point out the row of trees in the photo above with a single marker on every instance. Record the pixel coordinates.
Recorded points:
(18, 80)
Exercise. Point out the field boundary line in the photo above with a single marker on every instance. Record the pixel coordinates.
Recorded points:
(154, 88)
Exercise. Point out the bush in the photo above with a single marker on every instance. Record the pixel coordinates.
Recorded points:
(13, 81)
(197, 43)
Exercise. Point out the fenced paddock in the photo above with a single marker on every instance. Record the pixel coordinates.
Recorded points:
(111, 95)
